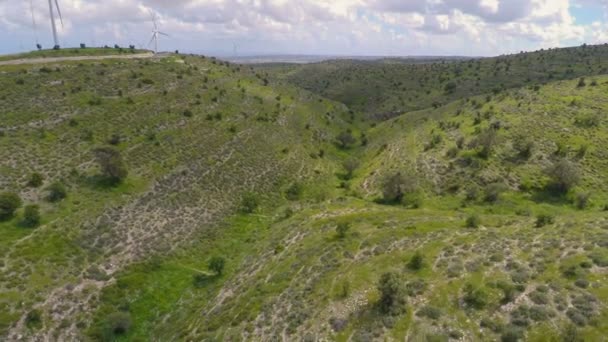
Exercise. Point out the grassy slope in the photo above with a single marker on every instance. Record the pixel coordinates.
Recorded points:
(381, 88)
(286, 274)
(187, 173)
(286, 269)
(71, 52)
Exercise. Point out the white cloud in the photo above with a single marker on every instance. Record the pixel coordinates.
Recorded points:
(400, 27)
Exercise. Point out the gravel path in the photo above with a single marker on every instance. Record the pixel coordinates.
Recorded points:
(75, 58)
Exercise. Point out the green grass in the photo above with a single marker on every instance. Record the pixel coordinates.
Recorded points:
(198, 135)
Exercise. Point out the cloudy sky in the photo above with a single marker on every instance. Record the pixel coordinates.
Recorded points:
(328, 27)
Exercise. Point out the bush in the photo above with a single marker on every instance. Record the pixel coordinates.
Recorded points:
(582, 200)
(342, 229)
(33, 319)
(9, 203)
(57, 192)
(350, 165)
(475, 298)
(416, 262)
(396, 186)
(345, 140)
(564, 175)
(493, 191)
(486, 141)
(430, 312)
(249, 203)
(524, 147)
(36, 180)
(216, 264)
(294, 192)
(393, 294)
(31, 216)
(544, 219)
(473, 221)
(111, 163)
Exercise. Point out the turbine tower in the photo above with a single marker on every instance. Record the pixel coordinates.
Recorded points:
(155, 34)
(52, 13)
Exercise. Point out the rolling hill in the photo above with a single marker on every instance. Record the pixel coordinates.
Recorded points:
(257, 210)
(391, 87)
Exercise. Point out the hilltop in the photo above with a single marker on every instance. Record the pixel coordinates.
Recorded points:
(244, 207)
(392, 87)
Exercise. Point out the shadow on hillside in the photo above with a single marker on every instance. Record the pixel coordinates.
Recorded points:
(550, 195)
(99, 182)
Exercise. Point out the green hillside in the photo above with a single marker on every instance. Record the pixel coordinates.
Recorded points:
(73, 52)
(255, 210)
(388, 88)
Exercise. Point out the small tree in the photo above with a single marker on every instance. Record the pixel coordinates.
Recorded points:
(524, 147)
(564, 175)
(393, 294)
(493, 191)
(416, 262)
(36, 180)
(341, 229)
(249, 203)
(216, 264)
(486, 140)
(111, 163)
(396, 186)
(350, 165)
(57, 192)
(475, 298)
(472, 221)
(294, 191)
(346, 139)
(31, 216)
(9, 203)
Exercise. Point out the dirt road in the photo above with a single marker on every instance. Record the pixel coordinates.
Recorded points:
(75, 58)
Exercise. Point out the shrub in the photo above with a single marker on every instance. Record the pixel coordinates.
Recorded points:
(582, 200)
(57, 192)
(396, 186)
(473, 221)
(350, 165)
(31, 216)
(249, 203)
(9, 203)
(493, 191)
(111, 163)
(33, 319)
(544, 219)
(475, 298)
(345, 140)
(342, 229)
(486, 141)
(216, 264)
(581, 83)
(36, 180)
(416, 262)
(430, 312)
(524, 147)
(392, 294)
(294, 192)
(564, 175)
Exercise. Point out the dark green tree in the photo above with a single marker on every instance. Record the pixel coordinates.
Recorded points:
(111, 163)
(216, 264)
(9, 203)
(31, 216)
(393, 294)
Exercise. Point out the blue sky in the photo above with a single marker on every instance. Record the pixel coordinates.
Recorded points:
(337, 27)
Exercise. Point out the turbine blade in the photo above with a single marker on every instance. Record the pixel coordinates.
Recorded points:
(164, 34)
(152, 39)
(59, 12)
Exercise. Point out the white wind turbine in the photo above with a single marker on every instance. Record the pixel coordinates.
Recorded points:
(52, 12)
(155, 34)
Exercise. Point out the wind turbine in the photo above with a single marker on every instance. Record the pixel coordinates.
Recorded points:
(155, 34)
(52, 12)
